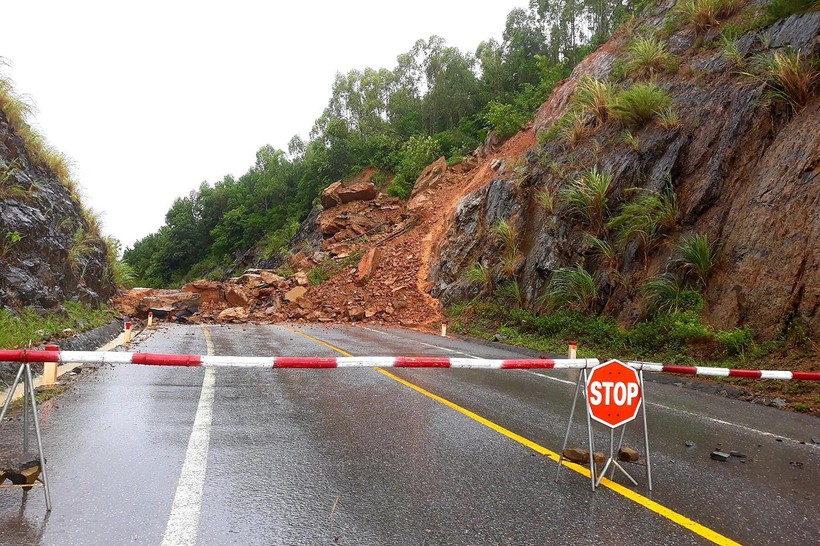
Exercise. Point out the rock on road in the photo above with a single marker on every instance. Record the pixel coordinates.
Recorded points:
(153, 455)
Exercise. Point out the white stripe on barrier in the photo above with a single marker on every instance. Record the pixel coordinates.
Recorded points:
(475, 363)
(238, 361)
(716, 372)
(775, 374)
(365, 362)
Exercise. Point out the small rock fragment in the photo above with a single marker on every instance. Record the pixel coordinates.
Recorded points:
(737, 454)
(690, 443)
(719, 456)
(575, 455)
(629, 455)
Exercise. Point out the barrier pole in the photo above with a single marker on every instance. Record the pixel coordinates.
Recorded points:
(50, 369)
(443, 328)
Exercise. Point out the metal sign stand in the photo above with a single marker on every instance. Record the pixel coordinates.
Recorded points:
(583, 378)
(29, 404)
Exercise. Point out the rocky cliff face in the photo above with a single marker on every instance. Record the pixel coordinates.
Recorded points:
(745, 171)
(49, 253)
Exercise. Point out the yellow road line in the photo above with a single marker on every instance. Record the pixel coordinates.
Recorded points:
(668, 513)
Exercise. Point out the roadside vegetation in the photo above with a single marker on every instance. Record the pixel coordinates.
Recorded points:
(19, 328)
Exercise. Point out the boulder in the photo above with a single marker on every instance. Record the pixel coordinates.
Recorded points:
(368, 265)
(294, 294)
(209, 291)
(356, 313)
(491, 144)
(430, 177)
(233, 314)
(251, 280)
(138, 302)
(340, 193)
(236, 297)
(270, 277)
(301, 278)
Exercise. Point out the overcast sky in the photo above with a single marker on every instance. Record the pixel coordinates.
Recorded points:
(151, 98)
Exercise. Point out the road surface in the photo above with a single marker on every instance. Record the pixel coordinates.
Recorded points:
(152, 455)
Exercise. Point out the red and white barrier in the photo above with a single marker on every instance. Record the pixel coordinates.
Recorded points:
(152, 359)
(725, 372)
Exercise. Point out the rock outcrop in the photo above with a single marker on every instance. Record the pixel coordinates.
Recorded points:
(746, 172)
(48, 250)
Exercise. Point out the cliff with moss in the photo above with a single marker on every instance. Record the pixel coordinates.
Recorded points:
(51, 249)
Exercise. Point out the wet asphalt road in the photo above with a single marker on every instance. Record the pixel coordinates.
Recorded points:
(351, 456)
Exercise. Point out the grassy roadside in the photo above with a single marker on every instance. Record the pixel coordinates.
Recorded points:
(20, 328)
(677, 338)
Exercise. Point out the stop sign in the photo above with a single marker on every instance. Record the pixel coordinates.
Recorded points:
(613, 393)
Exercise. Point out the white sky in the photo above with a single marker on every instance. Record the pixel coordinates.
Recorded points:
(151, 98)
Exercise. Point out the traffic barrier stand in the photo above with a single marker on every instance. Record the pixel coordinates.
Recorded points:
(613, 394)
(29, 405)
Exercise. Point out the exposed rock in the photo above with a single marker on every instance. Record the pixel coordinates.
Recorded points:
(294, 294)
(236, 297)
(340, 193)
(489, 147)
(801, 32)
(233, 314)
(209, 291)
(368, 265)
(356, 313)
(430, 177)
(38, 225)
(629, 455)
(719, 456)
(251, 280)
(301, 278)
(270, 277)
(139, 301)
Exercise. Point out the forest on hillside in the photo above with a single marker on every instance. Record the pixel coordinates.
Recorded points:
(437, 101)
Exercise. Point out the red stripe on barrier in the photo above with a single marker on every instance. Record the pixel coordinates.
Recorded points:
(150, 359)
(303, 362)
(806, 376)
(691, 370)
(29, 356)
(754, 374)
(421, 362)
(544, 363)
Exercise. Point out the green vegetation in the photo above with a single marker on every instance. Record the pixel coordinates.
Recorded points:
(697, 256)
(704, 14)
(646, 218)
(17, 329)
(586, 198)
(666, 294)
(9, 241)
(778, 9)
(594, 97)
(505, 119)
(788, 76)
(648, 56)
(639, 104)
(573, 288)
(481, 275)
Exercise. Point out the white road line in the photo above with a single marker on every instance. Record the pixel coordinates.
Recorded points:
(551, 378)
(423, 343)
(183, 523)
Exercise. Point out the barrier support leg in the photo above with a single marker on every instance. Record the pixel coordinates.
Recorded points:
(645, 433)
(36, 420)
(569, 425)
(591, 437)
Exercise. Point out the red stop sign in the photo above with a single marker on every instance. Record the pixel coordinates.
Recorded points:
(613, 393)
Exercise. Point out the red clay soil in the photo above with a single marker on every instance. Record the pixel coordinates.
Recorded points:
(398, 291)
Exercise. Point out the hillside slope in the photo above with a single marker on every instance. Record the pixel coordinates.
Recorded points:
(744, 170)
(51, 250)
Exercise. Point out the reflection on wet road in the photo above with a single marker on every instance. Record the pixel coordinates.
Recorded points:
(353, 456)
